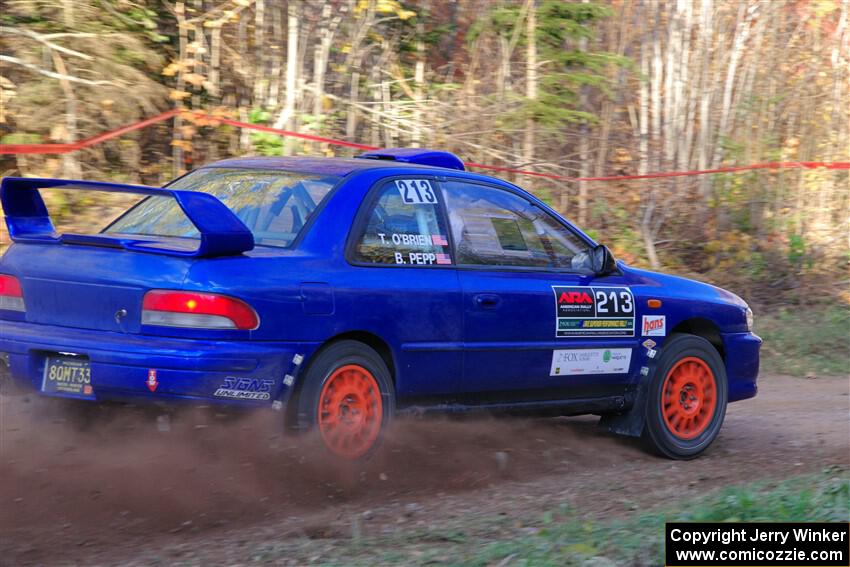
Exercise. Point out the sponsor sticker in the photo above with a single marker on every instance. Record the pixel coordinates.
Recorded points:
(654, 326)
(649, 344)
(590, 361)
(245, 389)
(594, 312)
(152, 382)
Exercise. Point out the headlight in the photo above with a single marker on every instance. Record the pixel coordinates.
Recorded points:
(749, 319)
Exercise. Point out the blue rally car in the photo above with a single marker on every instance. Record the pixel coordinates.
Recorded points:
(345, 291)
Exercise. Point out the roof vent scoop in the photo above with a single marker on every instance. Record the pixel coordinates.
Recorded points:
(418, 156)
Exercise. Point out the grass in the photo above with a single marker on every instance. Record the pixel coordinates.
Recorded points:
(809, 340)
(562, 537)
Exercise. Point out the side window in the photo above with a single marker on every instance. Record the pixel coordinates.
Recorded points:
(495, 227)
(405, 226)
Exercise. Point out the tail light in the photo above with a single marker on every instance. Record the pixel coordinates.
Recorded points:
(11, 295)
(197, 311)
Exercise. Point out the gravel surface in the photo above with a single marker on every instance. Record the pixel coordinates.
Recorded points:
(111, 485)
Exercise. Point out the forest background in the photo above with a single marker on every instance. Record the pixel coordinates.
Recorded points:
(583, 89)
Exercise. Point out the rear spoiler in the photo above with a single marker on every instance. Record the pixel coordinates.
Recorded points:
(222, 233)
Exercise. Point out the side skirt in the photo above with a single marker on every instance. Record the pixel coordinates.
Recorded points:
(576, 406)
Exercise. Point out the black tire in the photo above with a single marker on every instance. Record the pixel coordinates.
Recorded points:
(325, 366)
(659, 434)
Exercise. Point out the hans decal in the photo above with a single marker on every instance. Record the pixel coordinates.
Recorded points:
(654, 326)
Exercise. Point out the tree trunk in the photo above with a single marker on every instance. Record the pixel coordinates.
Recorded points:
(609, 104)
(70, 165)
(273, 97)
(353, 100)
(530, 80)
(583, 147)
(650, 87)
(286, 118)
(177, 136)
(215, 61)
(260, 81)
(656, 79)
(68, 14)
(643, 102)
(418, 88)
(320, 64)
(742, 31)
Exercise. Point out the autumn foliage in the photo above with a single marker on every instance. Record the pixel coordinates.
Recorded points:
(571, 88)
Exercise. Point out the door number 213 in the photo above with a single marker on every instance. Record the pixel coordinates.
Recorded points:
(614, 302)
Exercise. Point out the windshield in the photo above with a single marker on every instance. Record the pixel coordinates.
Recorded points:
(274, 205)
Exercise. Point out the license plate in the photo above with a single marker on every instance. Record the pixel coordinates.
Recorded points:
(67, 376)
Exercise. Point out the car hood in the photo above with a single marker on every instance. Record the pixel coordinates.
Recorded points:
(675, 286)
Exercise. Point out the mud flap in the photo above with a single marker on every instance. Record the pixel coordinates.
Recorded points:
(8, 386)
(630, 423)
(5, 377)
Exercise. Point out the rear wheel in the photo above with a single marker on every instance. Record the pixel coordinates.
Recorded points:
(687, 398)
(348, 398)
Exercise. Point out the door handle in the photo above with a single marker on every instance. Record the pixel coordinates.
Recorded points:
(487, 300)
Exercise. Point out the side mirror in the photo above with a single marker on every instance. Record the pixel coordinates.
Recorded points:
(602, 261)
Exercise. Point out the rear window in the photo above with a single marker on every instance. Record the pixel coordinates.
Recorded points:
(275, 205)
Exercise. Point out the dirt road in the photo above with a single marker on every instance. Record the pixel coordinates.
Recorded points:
(202, 487)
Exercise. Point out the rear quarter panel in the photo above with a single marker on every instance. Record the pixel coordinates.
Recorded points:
(312, 294)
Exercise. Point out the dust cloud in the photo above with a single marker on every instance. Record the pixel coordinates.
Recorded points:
(93, 470)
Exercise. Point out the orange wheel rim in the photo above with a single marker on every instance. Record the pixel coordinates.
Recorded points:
(689, 398)
(350, 411)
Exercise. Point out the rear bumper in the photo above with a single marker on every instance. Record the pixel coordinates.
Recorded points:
(742, 364)
(239, 372)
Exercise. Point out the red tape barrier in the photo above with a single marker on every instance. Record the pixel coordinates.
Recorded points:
(87, 142)
(769, 165)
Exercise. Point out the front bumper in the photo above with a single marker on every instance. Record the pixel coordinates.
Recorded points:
(239, 372)
(742, 364)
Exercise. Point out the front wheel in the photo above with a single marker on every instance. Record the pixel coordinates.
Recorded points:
(348, 398)
(687, 398)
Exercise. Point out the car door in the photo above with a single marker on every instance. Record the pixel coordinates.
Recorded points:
(537, 324)
(404, 287)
